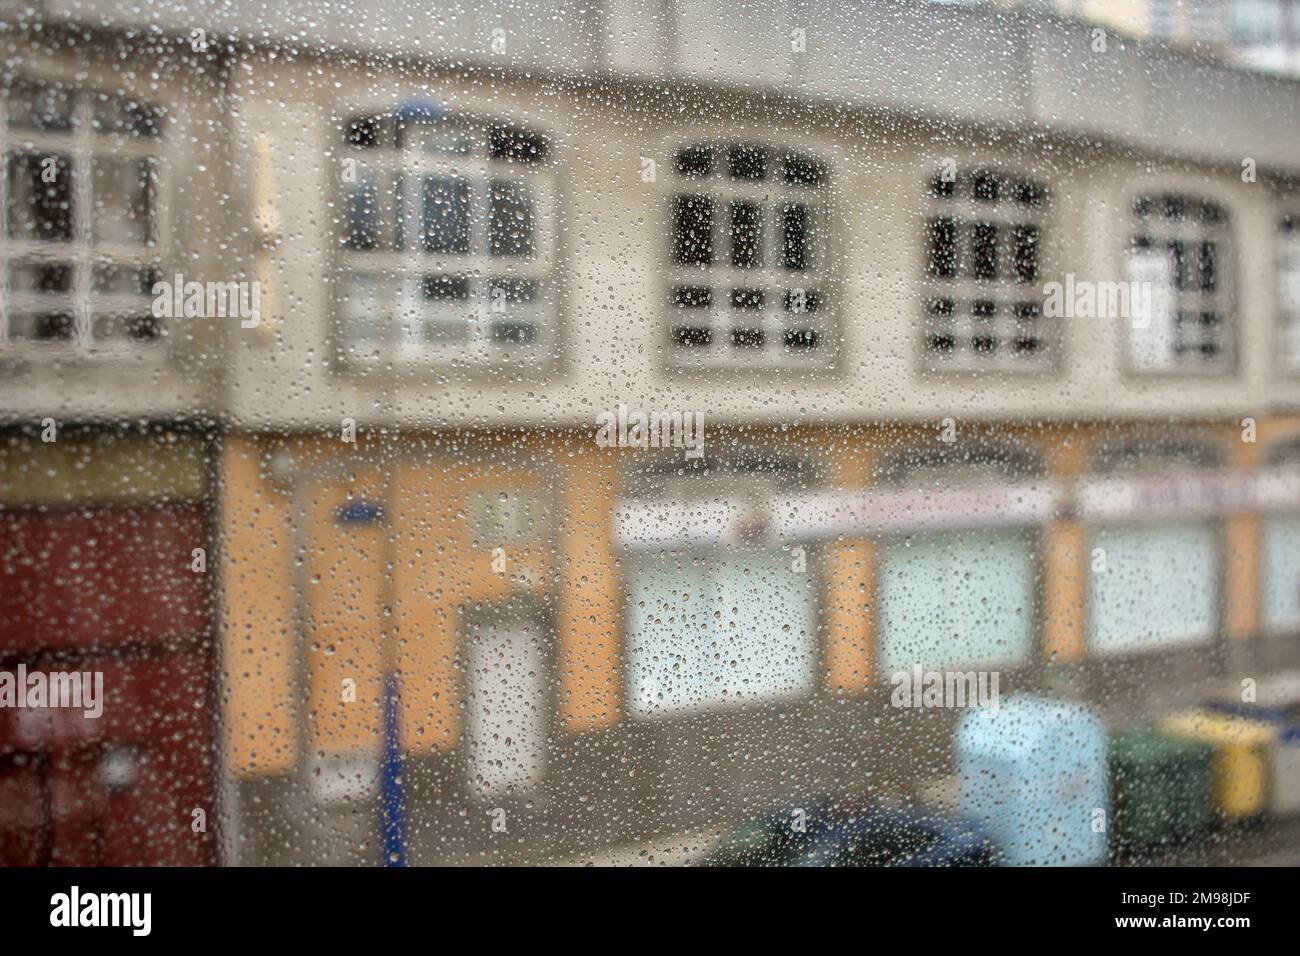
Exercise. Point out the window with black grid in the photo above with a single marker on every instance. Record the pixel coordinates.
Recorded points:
(1180, 254)
(1288, 288)
(79, 255)
(982, 302)
(747, 256)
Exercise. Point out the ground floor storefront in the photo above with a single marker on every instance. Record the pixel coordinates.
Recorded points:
(571, 646)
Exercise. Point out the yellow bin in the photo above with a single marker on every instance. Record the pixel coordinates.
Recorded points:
(1241, 757)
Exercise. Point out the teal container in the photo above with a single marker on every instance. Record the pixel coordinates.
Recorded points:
(1033, 774)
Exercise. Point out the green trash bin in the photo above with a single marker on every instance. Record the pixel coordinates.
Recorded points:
(1162, 788)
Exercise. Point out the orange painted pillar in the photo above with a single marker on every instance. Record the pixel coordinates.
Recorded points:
(850, 617)
(849, 650)
(257, 620)
(1065, 578)
(1065, 562)
(590, 618)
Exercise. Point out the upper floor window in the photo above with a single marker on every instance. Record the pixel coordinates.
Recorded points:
(983, 253)
(1288, 289)
(1180, 266)
(81, 230)
(747, 253)
(446, 238)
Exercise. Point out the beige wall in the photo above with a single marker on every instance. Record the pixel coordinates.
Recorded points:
(608, 289)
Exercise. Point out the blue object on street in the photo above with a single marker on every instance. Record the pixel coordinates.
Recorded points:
(1033, 773)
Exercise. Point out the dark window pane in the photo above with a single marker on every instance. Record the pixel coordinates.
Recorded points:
(514, 333)
(695, 161)
(1209, 266)
(748, 338)
(144, 121)
(942, 243)
(801, 339)
(1178, 262)
(439, 288)
(941, 307)
(44, 327)
(512, 229)
(445, 227)
(985, 186)
(803, 171)
(691, 336)
(362, 212)
(984, 250)
(746, 233)
(1030, 194)
(515, 144)
(747, 162)
(40, 197)
(692, 296)
(132, 328)
(747, 298)
(1026, 253)
(796, 227)
(363, 132)
(54, 277)
(693, 230)
(513, 291)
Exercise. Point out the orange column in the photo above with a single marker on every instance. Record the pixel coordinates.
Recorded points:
(850, 621)
(1066, 562)
(257, 624)
(1065, 581)
(590, 619)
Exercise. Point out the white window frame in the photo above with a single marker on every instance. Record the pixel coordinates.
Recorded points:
(401, 272)
(1006, 292)
(1225, 297)
(721, 277)
(84, 145)
(1287, 322)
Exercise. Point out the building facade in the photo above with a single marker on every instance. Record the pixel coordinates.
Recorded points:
(978, 353)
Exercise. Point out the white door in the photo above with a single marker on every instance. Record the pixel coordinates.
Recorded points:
(506, 725)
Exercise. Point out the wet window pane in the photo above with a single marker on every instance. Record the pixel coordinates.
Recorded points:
(859, 434)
